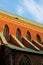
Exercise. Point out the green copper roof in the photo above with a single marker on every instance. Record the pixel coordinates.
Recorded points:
(21, 18)
(24, 49)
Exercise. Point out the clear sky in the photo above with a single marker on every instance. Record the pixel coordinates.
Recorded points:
(30, 9)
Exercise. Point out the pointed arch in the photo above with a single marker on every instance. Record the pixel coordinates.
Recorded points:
(38, 38)
(18, 34)
(6, 32)
(24, 60)
(28, 35)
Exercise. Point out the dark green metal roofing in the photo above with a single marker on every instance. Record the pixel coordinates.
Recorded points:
(21, 18)
(24, 49)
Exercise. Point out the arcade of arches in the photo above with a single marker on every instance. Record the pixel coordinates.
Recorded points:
(18, 34)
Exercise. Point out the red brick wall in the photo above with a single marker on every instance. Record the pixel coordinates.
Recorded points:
(13, 27)
(35, 59)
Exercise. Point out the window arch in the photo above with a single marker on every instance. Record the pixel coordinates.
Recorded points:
(6, 32)
(24, 60)
(28, 35)
(38, 38)
(18, 34)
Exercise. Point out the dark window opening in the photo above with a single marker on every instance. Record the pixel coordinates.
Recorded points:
(28, 36)
(38, 38)
(18, 34)
(24, 60)
(6, 32)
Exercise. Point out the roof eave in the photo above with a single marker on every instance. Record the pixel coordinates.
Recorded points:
(21, 18)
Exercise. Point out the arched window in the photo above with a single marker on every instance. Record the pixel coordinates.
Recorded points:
(28, 35)
(18, 34)
(38, 38)
(6, 32)
(24, 60)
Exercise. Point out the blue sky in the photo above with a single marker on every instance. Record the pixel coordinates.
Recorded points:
(30, 9)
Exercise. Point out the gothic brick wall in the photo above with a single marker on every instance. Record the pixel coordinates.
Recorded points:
(15, 57)
(35, 59)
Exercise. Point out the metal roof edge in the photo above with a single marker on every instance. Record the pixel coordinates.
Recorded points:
(24, 49)
(21, 18)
